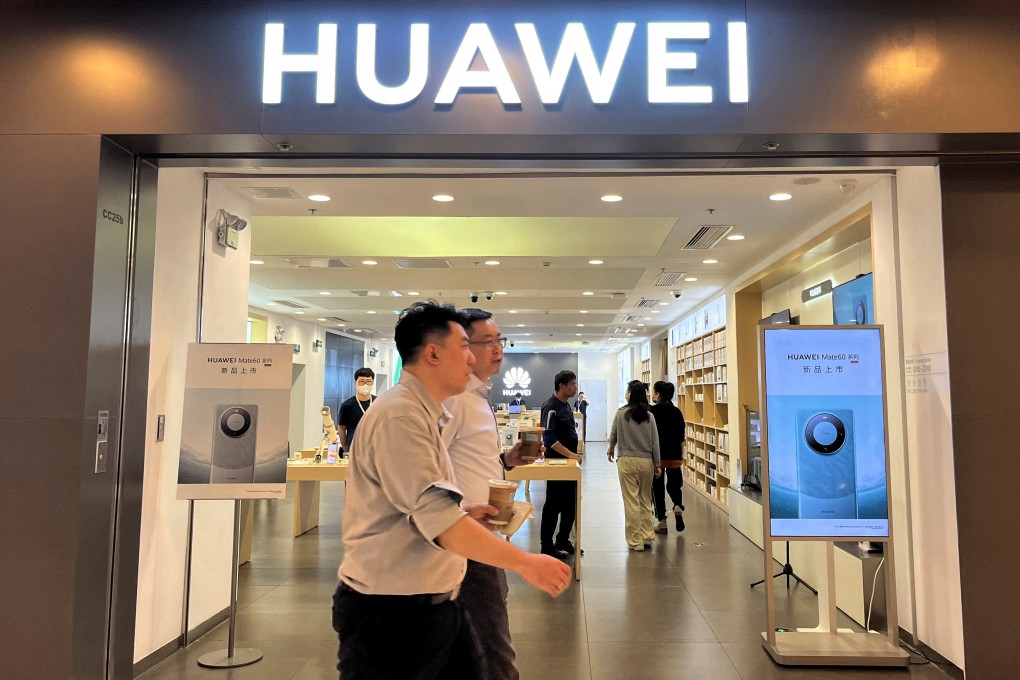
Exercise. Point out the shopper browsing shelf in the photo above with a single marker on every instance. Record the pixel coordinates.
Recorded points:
(560, 440)
(405, 533)
(472, 439)
(669, 422)
(353, 409)
(634, 441)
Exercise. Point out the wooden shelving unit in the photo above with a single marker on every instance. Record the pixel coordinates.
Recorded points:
(646, 371)
(702, 370)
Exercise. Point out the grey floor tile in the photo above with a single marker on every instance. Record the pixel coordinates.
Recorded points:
(552, 658)
(658, 661)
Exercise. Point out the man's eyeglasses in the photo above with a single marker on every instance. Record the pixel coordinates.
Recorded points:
(490, 344)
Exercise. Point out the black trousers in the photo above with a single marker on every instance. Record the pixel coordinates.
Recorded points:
(671, 480)
(391, 637)
(560, 506)
(483, 595)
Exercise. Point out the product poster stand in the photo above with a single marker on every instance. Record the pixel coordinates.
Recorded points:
(825, 645)
(232, 657)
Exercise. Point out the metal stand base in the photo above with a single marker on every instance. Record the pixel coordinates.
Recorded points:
(788, 572)
(834, 649)
(221, 658)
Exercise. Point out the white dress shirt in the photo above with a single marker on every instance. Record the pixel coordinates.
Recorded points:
(472, 440)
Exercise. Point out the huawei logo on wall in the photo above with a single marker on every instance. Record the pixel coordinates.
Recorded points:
(516, 377)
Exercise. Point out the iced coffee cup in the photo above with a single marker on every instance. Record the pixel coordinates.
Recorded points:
(531, 443)
(501, 497)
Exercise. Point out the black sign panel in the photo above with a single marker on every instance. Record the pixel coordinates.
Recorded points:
(532, 375)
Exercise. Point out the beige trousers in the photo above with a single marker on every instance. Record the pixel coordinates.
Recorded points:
(636, 484)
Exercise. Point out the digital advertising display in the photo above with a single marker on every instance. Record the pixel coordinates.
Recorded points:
(853, 302)
(825, 432)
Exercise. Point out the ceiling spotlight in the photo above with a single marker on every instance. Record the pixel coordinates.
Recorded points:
(580, 325)
(735, 237)
(371, 311)
(324, 292)
(664, 304)
(413, 292)
(299, 312)
(512, 311)
(320, 198)
(691, 278)
(341, 325)
(780, 197)
(521, 325)
(578, 334)
(612, 198)
(655, 311)
(582, 311)
(492, 263)
(320, 319)
(595, 262)
(500, 292)
(710, 262)
(369, 262)
(256, 261)
(648, 318)
(270, 304)
(442, 198)
(641, 325)
(587, 292)
(357, 330)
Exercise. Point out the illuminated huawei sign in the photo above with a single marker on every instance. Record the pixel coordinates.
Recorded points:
(663, 59)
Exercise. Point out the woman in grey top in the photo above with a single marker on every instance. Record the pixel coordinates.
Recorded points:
(634, 441)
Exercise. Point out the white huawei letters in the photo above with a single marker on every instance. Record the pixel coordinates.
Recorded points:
(662, 59)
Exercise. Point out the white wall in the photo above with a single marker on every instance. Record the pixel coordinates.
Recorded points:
(595, 365)
(164, 527)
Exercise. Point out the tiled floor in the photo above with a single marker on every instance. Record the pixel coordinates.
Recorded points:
(682, 610)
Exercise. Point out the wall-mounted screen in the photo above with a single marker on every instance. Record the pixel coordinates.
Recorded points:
(825, 432)
(782, 318)
(853, 302)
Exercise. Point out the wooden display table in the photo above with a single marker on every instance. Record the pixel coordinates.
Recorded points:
(567, 470)
(306, 476)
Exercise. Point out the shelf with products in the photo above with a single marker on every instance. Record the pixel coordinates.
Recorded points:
(703, 397)
(646, 371)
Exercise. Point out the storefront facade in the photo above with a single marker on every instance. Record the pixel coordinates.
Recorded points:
(100, 94)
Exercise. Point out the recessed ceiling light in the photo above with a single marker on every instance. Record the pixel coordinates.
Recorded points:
(641, 325)
(521, 325)
(582, 311)
(655, 311)
(413, 292)
(324, 292)
(369, 262)
(612, 198)
(500, 292)
(492, 263)
(442, 198)
(371, 311)
(525, 334)
(780, 197)
(321, 198)
(299, 312)
(595, 262)
(578, 334)
(735, 237)
(648, 318)
(256, 262)
(710, 262)
(320, 319)
(587, 292)
(357, 330)
(341, 325)
(664, 304)
(691, 278)
(580, 325)
(270, 304)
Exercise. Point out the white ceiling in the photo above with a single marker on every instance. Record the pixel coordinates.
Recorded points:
(542, 228)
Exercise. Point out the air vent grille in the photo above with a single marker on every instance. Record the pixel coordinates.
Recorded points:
(669, 279)
(630, 318)
(645, 303)
(272, 192)
(318, 262)
(291, 304)
(367, 293)
(707, 236)
(337, 319)
(424, 263)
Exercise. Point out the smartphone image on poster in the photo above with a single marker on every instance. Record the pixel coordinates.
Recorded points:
(331, 453)
(826, 464)
(233, 450)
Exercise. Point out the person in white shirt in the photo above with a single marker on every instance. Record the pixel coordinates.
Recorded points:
(406, 534)
(472, 439)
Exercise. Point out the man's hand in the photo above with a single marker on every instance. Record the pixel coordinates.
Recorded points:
(545, 573)
(513, 458)
(610, 454)
(658, 472)
(481, 512)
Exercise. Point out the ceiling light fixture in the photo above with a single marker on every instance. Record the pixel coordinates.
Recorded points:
(319, 198)
(320, 319)
(324, 292)
(371, 311)
(580, 325)
(735, 237)
(369, 262)
(500, 292)
(664, 304)
(641, 325)
(587, 292)
(299, 312)
(256, 262)
(655, 311)
(710, 262)
(612, 198)
(595, 262)
(492, 263)
(521, 325)
(270, 304)
(780, 197)
(442, 198)
(341, 325)
(582, 311)
(691, 279)
(413, 292)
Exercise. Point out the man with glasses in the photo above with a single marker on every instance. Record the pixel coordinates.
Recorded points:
(353, 409)
(472, 439)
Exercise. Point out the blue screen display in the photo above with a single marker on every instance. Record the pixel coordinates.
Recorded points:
(853, 303)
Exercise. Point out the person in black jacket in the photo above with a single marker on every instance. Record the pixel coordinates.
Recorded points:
(671, 426)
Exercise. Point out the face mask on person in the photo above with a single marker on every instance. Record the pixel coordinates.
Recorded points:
(364, 390)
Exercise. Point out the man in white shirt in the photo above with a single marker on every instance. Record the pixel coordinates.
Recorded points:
(472, 439)
(405, 533)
